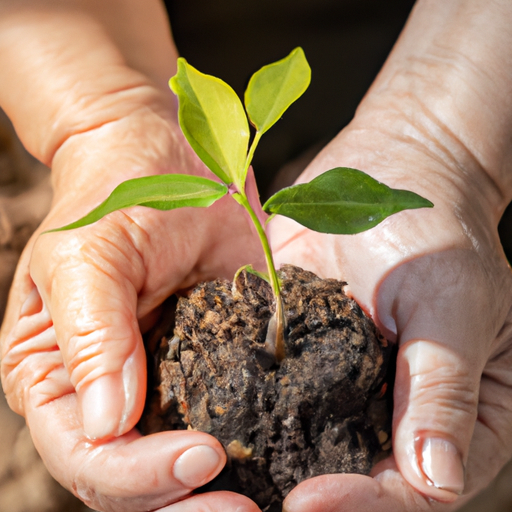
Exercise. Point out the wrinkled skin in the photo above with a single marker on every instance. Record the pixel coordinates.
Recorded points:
(436, 281)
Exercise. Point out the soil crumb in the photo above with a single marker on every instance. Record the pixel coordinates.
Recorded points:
(323, 409)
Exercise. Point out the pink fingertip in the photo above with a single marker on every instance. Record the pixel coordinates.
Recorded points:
(197, 466)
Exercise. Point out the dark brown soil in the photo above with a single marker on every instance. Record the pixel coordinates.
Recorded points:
(323, 409)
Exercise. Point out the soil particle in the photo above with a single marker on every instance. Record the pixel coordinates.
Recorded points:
(323, 409)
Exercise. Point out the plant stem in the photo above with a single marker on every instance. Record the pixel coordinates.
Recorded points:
(250, 154)
(241, 199)
(275, 343)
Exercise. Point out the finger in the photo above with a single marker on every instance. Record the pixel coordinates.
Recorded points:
(214, 502)
(445, 343)
(31, 359)
(128, 473)
(358, 493)
(90, 288)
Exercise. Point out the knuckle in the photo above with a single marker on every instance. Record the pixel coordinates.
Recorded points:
(453, 397)
(105, 248)
(27, 363)
(443, 385)
(110, 245)
(93, 354)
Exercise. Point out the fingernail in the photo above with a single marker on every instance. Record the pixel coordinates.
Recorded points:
(197, 466)
(442, 465)
(102, 403)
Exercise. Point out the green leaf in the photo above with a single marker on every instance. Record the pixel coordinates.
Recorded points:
(249, 268)
(213, 120)
(342, 201)
(275, 87)
(164, 192)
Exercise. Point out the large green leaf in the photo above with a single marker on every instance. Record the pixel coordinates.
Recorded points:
(163, 192)
(213, 120)
(275, 87)
(342, 201)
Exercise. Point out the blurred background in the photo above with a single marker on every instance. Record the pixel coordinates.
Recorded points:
(345, 41)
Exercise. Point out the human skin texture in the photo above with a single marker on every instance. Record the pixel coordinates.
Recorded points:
(87, 94)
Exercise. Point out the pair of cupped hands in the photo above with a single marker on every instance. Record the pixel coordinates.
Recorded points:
(435, 281)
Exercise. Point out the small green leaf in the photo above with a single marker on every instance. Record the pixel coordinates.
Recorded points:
(275, 87)
(342, 201)
(163, 192)
(249, 268)
(213, 120)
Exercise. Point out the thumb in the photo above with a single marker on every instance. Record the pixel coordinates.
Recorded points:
(91, 291)
(435, 303)
(436, 397)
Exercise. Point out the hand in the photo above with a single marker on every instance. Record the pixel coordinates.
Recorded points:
(73, 361)
(436, 282)
(88, 96)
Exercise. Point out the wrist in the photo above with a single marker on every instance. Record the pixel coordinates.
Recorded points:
(89, 165)
(449, 77)
(404, 154)
(74, 66)
(410, 148)
(426, 143)
(437, 119)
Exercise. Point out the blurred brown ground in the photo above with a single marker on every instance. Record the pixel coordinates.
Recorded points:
(345, 42)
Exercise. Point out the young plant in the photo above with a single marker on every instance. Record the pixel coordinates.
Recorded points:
(215, 123)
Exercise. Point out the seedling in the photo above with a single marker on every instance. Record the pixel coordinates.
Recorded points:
(215, 123)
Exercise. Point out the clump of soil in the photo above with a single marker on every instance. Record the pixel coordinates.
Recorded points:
(323, 409)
